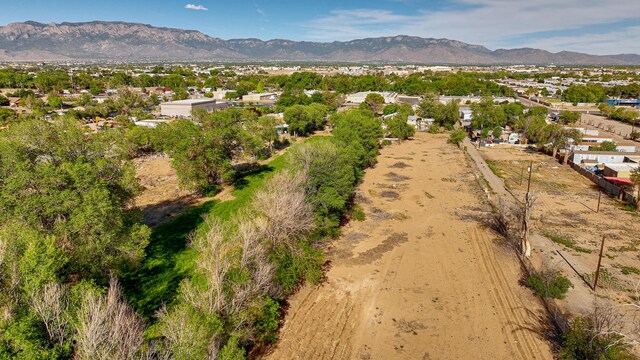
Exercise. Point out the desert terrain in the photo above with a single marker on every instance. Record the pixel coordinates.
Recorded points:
(421, 277)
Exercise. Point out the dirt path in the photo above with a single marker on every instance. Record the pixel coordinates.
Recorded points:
(420, 278)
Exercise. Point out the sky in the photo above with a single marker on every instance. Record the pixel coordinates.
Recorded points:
(595, 27)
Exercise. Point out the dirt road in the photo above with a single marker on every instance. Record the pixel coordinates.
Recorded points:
(420, 278)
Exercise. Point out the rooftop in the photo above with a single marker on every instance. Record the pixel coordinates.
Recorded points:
(189, 102)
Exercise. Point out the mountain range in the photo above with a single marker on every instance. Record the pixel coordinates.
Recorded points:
(133, 42)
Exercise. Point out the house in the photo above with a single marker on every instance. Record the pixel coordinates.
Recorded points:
(358, 98)
(466, 114)
(183, 108)
(151, 123)
(596, 139)
(514, 138)
(406, 99)
(619, 170)
(260, 97)
(596, 157)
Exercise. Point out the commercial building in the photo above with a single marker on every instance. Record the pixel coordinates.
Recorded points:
(183, 108)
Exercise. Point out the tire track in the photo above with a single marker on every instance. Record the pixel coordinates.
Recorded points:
(506, 301)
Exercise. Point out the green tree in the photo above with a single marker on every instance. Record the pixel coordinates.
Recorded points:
(358, 132)
(569, 117)
(457, 136)
(54, 101)
(397, 127)
(605, 146)
(373, 102)
(62, 184)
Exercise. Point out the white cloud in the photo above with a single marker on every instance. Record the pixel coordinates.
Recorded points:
(195, 7)
(494, 23)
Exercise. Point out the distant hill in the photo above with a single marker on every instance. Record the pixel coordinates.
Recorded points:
(103, 40)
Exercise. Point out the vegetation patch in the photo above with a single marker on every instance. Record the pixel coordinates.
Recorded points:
(549, 285)
(628, 270)
(493, 166)
(565, 241)
(391, 195)
(396, 177)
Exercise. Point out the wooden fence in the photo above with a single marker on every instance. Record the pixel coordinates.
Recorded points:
(605, 185)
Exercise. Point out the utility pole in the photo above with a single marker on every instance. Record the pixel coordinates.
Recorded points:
(599, 196)
(521, 175)
(595, 281)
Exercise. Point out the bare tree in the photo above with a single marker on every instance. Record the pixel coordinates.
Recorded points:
(107, 326)
(283, 203)
(184, 336)
(50, 303)
(525, 243)
(213, 262)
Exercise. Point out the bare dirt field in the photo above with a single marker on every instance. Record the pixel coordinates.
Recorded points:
(161, 198)
(421, 277)
(568, 231)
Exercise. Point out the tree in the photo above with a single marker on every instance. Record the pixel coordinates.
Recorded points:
(497, 132)
(457, 136)
(373, 102)
(331, 179)
(107, 327)
(7, 116)
(54, 101)
(605, 146)
(63, 184)
(397, 127)
(569, 117)
(358, 132)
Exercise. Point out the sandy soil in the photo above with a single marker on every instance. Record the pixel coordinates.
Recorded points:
(420, 278)
(565, 207)
(161, 198)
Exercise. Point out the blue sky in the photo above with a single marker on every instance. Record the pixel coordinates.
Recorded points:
(596, 27)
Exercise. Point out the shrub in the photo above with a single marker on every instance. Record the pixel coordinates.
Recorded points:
(268, 321)
(356, 212)
(456, 136)
(586, 340)
(434, 129)
(549, 284)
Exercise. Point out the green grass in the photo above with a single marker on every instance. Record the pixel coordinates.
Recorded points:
(628, 270)
(168, 259)
(565, 241)
(493, 166)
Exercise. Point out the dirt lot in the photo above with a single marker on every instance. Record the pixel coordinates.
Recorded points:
(161, 198)
(566, 226)
(420, 278)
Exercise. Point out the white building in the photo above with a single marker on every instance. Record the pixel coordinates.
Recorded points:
(183, 108)
(258, 97)
(597, 157)
(151, 123)
(358, 98)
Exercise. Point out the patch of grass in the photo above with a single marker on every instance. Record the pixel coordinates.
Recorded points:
(493, 166)
(624, 248)
(628, 270)
(565, 241)
(605, 279)
(449, 179)
(168, 259)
